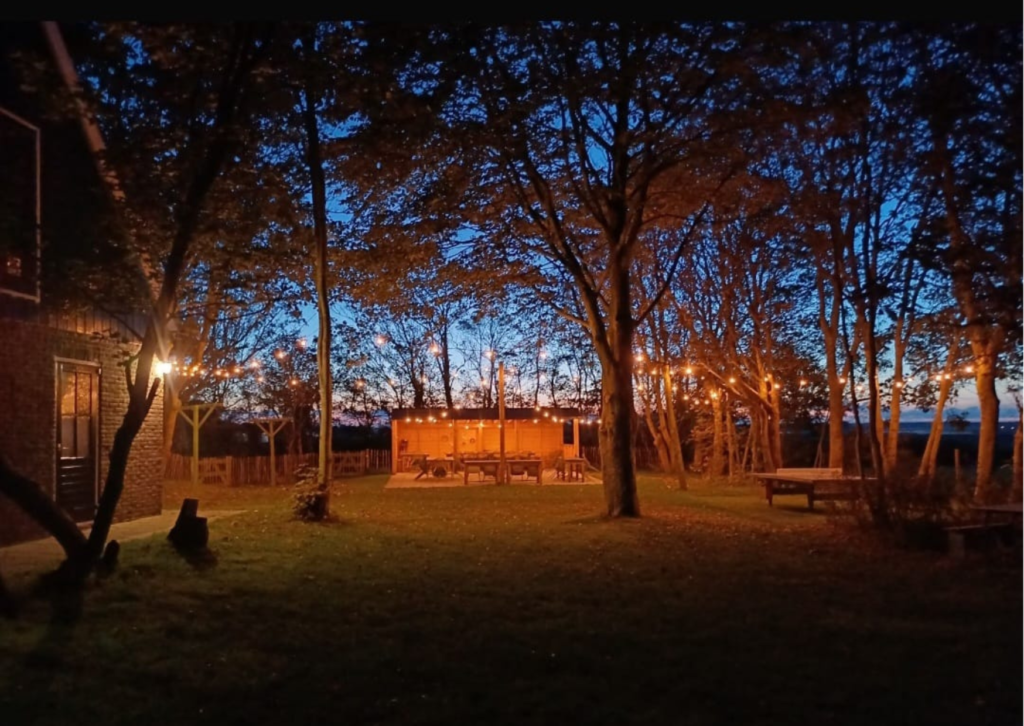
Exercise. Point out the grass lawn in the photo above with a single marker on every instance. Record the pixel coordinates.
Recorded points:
(517, 605)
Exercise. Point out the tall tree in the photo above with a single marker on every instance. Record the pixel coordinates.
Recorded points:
(561, 143)
(969, 102)
(161, 174)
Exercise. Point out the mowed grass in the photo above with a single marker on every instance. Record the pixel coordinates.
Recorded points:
(518, 605)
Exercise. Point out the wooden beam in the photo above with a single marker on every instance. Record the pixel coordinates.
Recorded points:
(502, 468)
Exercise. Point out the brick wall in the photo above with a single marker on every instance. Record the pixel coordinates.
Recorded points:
(28, 419)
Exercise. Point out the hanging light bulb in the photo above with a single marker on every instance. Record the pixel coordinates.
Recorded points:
(380, 340)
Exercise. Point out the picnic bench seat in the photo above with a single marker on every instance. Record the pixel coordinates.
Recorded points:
(980, 536)
(816, 484)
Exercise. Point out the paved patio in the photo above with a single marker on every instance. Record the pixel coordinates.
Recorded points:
(408, 480)
(20, 560)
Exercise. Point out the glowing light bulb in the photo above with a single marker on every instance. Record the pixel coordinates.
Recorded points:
(380, 340)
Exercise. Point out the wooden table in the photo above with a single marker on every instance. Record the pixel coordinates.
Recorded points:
(405, 460)
(814, 487)
(575, 467)
(486, 467)
(532, 467)
(447, 462)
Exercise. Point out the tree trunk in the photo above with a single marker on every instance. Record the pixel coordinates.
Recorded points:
(1018, 458)
(172, 405)
(829, 323)
(323, 303)
(658, 438)
(926, 471)
(896, 400)
(446, 368)
(717, 464)
(988, 405)
(616, 449)
(615, 431)
(675, 441)
(39, 505)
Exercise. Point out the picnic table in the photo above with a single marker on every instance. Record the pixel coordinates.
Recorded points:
(489, 467)
(406, 460)
(815, 483)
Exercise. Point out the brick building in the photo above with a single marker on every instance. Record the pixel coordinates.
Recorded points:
(62, 383)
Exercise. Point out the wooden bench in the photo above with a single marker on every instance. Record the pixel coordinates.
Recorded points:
(981, 536)
(816, 484)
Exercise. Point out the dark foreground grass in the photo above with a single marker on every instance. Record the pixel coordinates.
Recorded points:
(517, 605)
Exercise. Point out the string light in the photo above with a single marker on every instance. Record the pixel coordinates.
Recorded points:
(380, 340)
(301, 342)
(435, 349)
(280, 354)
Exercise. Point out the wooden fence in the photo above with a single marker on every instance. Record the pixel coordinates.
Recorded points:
(255, 470)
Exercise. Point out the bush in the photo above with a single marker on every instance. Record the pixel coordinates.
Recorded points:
(310, 497)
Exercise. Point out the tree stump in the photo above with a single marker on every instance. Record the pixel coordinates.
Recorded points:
(190, 531)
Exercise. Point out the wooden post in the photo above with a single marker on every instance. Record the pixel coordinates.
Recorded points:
(502, 469)
(195, 446)
(576, 437)
(395, 439)
(956, 465)
(455, 441)
(196, 423)
(271, 427)
(273, 460)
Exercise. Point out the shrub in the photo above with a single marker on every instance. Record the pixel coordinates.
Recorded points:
(310, 497)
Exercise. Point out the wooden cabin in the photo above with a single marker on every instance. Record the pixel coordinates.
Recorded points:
(545, 433)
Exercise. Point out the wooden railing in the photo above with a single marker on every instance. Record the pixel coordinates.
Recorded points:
(255, 470)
